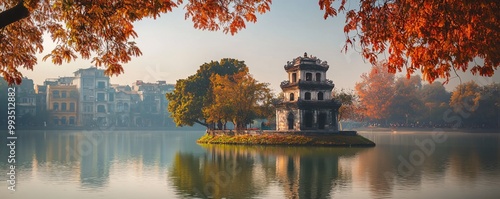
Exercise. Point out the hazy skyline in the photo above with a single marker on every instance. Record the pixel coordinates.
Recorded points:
(172, 49)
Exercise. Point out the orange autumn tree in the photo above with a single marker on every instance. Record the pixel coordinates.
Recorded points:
(376, 91)
(238, 98)
(101, 30)
(434, 36)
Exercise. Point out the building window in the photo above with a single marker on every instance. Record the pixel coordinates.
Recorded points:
(101, 109)
(55, 106)
(101, 85)
(63, 106)
(309, 76)
(292, 96)
(119, 107)
(320, 96)
(63, 94)
(307, 96)
(290, 120)
(72, 107)
(72, 120)
(308, 119)
(111, 97)
(55, 94)
(318, 77)
(100, 97)
(294, 77)
(63, 120)
(125, 107)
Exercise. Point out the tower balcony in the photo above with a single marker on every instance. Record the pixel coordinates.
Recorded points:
(323, 84)
(310, 104)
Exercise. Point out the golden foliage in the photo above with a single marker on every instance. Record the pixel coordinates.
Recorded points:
(376, 91)
(433, 36)
(237, 98)
(102, 30)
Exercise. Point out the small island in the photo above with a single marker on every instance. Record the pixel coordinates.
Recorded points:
(306, 115)
(339, 139)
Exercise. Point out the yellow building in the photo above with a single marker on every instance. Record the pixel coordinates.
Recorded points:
(62, 104)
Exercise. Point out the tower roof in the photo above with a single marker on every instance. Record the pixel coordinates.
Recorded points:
(306, 63)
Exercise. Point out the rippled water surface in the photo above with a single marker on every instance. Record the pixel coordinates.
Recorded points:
(155, 164)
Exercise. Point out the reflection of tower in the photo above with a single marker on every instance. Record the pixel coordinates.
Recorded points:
(307, 102)
(307, 176)
(287, 172)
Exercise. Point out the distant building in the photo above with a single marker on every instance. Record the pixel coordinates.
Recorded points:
(122, 106)
(308, 103)
(95, 96)
(88, 99)
(153, 105)
(26, 102)
(62, 105)
(42, 114)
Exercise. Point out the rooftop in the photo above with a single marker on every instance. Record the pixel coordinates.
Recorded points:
(306, 62)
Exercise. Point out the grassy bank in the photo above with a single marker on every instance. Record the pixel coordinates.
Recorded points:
(300, 140)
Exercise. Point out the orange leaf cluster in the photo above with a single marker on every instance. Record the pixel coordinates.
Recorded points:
(432, 36)
(97, 29)
(375, 92)
(230, 15)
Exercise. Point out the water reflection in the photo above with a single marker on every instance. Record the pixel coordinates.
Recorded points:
(245, 172)
(401, 161)
(72, 164)
(88, 157)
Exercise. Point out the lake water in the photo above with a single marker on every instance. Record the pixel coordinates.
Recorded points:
(154, 164)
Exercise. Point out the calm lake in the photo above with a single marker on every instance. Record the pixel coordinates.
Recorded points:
(155, 164)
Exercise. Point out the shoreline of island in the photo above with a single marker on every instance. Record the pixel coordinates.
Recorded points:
(290, 138)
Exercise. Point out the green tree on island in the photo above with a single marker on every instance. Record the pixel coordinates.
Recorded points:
(218, 93)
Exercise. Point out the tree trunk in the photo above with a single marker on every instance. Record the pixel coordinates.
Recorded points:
(202, 123)
(14, 14)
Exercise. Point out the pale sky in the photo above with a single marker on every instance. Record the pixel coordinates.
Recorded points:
(172, 49)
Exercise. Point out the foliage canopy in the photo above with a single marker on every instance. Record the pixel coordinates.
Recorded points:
(218, 93)
(101, 30)
(190, 95)
(434, 36)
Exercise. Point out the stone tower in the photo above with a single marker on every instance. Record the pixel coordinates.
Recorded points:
(307, 105)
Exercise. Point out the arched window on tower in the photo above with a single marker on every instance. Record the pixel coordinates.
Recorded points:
(309, 76)
(318, 77)
(307, 96)
(320, 96)
(292, 96)
(294, 77)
